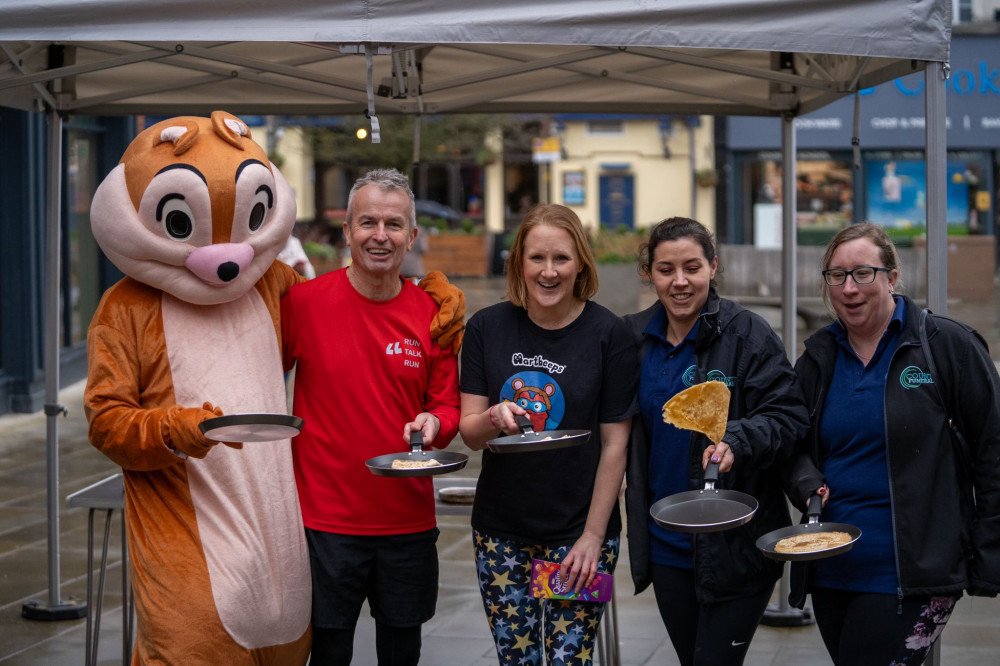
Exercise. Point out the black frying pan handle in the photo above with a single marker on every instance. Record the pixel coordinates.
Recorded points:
(711, 475)
(416, 441)
(815, 508)
(524, 423)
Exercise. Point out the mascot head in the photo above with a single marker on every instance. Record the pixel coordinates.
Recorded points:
(194, 208)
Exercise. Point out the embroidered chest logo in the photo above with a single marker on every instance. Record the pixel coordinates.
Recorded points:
(914, 377)
(712, 376)
(408, 349)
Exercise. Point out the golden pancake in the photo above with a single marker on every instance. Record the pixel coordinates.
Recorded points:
(703, 408)
(812, 543)
(414, 464)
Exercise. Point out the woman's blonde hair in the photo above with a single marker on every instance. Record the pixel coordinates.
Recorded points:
(560, 217)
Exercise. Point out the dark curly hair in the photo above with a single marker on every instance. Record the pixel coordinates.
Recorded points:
(676, 228)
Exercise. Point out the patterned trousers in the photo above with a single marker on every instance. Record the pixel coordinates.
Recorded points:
(522, 625)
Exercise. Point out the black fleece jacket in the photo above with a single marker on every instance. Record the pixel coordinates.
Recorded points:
(945, 500)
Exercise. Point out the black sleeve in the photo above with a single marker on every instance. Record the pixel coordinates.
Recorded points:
(473, 370)
(620, 383)
(975, 386)
(775, 416)
(800, 475)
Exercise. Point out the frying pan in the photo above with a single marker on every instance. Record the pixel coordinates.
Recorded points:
(707, 510)
(767, 542)
(451, 461)
(532, 440)
(251, 427)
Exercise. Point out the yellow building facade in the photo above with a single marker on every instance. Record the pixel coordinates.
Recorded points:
(659, 161)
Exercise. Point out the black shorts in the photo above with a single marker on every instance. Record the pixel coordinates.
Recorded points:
(396, 573)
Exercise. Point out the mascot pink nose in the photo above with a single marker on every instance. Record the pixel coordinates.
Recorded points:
(220, 263)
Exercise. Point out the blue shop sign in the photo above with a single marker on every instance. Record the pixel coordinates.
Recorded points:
(892, 115)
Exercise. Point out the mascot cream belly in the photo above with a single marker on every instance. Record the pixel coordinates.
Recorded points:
(195, 215)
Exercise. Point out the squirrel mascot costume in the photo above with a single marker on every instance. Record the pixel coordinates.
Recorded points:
(194, 215)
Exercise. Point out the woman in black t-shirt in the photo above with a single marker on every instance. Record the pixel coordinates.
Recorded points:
(565, 362)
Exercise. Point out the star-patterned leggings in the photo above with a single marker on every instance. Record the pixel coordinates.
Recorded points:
(520, 622)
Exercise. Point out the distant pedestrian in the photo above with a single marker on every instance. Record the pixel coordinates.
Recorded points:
(295, 256)
(413, 262)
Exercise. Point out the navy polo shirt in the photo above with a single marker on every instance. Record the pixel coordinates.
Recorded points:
(664, 369)
(852, 443)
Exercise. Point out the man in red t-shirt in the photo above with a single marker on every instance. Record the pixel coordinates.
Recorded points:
(367, 375)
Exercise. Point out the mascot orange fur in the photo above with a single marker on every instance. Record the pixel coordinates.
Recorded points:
(194, 215)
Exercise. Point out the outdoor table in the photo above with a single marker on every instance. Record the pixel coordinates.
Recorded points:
(451, 508)
(106, 495)
(607, 632)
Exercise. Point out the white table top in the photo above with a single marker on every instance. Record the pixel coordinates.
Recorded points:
(106, 494)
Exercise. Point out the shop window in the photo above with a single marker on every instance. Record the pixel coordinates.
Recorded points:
(824, 197)
(896, 192)
(81, 278)
(605, 127)
(963, 11)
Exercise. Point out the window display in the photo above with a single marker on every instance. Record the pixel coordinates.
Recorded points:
(896, 192)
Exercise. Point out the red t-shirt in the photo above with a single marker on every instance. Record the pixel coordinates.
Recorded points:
(364, 368)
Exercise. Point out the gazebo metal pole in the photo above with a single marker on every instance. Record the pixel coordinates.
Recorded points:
(935, 75)
(788, 240)
(56, 608)
(782, 614)
(937, 211)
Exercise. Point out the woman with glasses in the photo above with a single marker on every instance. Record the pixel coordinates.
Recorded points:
(927, 502)
(711, 588)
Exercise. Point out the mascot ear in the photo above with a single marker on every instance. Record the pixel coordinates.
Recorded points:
(183, 136)
(230, 128)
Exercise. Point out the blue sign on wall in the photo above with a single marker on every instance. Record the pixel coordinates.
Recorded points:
(892, 115)
(617, 193)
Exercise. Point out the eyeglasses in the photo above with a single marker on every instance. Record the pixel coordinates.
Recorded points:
(861, 275)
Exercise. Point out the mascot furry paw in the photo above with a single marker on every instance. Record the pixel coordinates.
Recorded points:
(195, 215)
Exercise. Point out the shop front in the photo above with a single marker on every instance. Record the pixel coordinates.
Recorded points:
(91, 147)
(887, 182)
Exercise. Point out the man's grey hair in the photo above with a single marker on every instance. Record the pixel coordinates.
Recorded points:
(386, 180)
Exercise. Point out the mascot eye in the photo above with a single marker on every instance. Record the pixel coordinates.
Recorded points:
(262, 202)
(257, 216)
(178, 225)
(176, 216)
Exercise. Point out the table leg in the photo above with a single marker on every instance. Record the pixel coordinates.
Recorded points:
(607, 635)
(934, 654)
(128, 608)
(100, 585)
(89, 659)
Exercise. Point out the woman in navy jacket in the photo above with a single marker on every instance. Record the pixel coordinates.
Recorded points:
(711, 588)
(928, 506)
